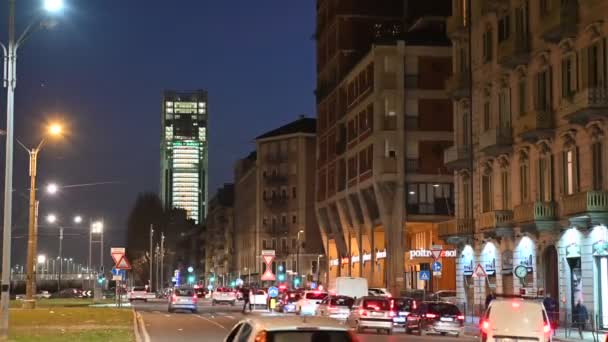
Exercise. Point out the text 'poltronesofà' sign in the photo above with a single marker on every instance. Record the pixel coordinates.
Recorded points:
(426, 253)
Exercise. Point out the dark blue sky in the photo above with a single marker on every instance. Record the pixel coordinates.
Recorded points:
(103, 69)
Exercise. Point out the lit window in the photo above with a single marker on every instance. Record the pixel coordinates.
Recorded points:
(169, 104)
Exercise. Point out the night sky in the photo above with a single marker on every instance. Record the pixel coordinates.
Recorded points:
(103, 69)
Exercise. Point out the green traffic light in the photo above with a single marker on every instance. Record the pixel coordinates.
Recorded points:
(212, 279)
(191, 279)
(296, 281)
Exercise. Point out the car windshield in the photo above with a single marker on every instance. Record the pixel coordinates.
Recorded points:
(404, 304)
(376, 304)
(342, 301)
(444, 309)
(316, 295)
(309, 336)
(139, 289)
(293, 297)
(184, 292)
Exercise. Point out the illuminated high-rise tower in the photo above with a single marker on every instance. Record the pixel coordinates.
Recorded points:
(184, 152)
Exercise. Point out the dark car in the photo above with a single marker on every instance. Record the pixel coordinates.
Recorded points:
(435, 317)
(403, 307)
(200, 292)
(68, 293)
(288, 301)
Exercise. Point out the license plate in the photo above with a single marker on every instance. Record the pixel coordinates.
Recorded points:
(399, 319)
(183, 300)
(403, 313)
(377, 314)
(446, 319)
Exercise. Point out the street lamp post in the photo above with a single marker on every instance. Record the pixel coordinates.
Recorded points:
(319, 266)
(10, 83)
(298, 254)
(96, 228)
(32, 241)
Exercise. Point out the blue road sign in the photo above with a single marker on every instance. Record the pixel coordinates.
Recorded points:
(273, 291)
(118, 272)
(437, 267)
(425, 275)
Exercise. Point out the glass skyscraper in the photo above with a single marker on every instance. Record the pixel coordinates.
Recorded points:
(184, 152)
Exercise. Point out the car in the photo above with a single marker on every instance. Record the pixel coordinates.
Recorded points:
(139, 293)
(379, 291)
(43, 295)
(337, 307)
(289, 328)
(515, 319)
(68, 293)
(183, 299)
(403, 307)
(200, 292)
(435, 317)
(444, 296)
(223, 295)
(353, 287)
(288, 302)
(307, 305)
(20, 297)
(258, 297)
(372, 312)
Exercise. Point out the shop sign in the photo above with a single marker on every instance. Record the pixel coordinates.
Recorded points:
(600, 248)
(425, 253)
(573, 250)
(334, 262)
(507, 262)
(354, 259)
(468, 268)
(367, 257)
(490, 267)
(528, 263)
(381, 254)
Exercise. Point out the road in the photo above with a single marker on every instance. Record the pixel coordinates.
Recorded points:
(212, 323)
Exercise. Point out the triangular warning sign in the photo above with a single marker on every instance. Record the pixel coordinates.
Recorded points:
(479, 272)
(268, 276)
(436, 253)
(268, 259)
(123, 264)
(116, 257)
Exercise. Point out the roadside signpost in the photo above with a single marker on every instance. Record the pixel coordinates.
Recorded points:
(425, 275)
(119, 271)
(268, 256)
(479, 272)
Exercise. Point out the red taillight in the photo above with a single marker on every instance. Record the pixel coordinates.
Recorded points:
(485, 326)
(362, 312)
(547, 328)
(174, 298)
(515, 305)
(430, 315)
(195, 298)
(460, 317)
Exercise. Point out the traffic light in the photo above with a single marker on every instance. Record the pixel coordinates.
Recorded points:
(101, 278)
(190, 269)
(233, 283)
(190, 279)
(296, 281)
(212, 279)
(281, 276)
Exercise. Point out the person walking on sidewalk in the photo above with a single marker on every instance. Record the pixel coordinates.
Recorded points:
(489, 298)
(580, 317)
(246, 301)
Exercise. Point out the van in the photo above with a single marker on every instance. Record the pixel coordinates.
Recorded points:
(515, 319)
(349, 286)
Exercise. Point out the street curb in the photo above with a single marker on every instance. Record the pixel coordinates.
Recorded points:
(141, 333)
(136, 327)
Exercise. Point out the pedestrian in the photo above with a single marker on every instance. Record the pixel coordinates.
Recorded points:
(551, 308)
(489, 298)
(245, 292)
(580, 317)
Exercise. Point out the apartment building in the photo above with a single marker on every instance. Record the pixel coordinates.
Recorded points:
(245, 219)
(530, 108)
(219, 235)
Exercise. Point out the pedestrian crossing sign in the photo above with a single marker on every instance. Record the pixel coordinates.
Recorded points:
(425, 275)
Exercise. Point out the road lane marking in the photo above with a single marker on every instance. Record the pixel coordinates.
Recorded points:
(212, 322)
(229, 317)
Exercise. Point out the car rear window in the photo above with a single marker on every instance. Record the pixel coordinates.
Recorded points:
(309, 336)
(342, 301)
(139, 289)
(316, 295)
(184, 292)
(376, 304)
(260, 292)
(404, 304)
(444, 309)
(529, 315)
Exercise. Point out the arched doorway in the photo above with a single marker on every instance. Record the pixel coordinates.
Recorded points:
(551, 272)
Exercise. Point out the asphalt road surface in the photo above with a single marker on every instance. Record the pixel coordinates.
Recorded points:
(212, 323)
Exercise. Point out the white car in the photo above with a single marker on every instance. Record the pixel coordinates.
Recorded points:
(336, 307)
(258, 297)
(379, 292)
(307, 305)
(515, 320)
(140, 293)
(289, 328)
(223, 295)
(43, 295)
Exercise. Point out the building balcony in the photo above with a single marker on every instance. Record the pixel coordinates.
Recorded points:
(276, 202)
(455, 231)
(456, 27)
(389, 165)
(279, 228)
(275, 179)
(514, 51)
(498, 222)
(456, 157)
(585, 105)
(585, 203)
(458, 86)
(496, 141)
(412, 165)
(276, 158)
(560, 21)
(534, 125)
(540, 214)
(494, 6)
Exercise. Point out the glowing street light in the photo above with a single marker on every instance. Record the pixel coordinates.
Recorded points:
(41, 258)
(51, 218)
(97, 227)
(52, 188)
(53, 5)
(77, 219)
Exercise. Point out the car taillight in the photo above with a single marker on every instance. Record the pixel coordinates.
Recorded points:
(547, 328)
(485, 326)
(195, 298)
(414, 306)
(460, 317)
(174, 298)
(261, 336)
(362, 312)
(430, 315)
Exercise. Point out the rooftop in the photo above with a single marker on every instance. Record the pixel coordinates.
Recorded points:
(302, 125)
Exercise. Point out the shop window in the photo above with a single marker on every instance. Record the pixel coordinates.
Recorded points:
(430, 199)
